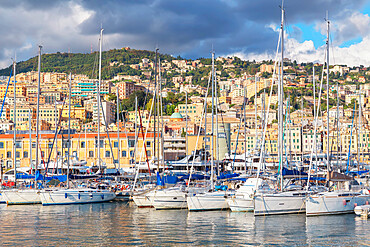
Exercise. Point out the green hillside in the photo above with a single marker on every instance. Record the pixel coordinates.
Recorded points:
(80, 63)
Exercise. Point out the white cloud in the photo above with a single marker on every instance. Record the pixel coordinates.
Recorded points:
(354, 25)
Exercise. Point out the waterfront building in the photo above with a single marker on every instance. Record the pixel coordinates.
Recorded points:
(83, 145)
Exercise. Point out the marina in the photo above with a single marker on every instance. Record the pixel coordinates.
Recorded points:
(124, 146)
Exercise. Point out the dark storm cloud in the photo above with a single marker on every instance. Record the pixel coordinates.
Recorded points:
(190, 27)
(186, 27)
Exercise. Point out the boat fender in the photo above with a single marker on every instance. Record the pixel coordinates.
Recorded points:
(102, 197)
(65, 195)
(355, 204)
(344, 202)
(79, 196)
(367, 203)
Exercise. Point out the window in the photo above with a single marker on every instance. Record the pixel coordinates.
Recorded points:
(107, 154)
(25, 154)
(17, 154)
(124, 153)
(101, 143)
(131, 143)
(50, 145)
(132, 153)
(91, 154)
(18, 144)
(115, 144)
(148, 153)
(1, 144)
(42, 154)
(83, 145)
(65, 144)
(8, 154)
(148, 144)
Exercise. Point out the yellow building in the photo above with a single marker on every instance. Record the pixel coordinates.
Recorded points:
(20, 90)
(251, 87)
(83, 145)
(76, 112)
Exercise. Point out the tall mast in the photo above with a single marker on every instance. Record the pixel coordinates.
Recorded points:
(216, 112)
(280, 92)
(255, 108)
(314, 112)
(56, 135)
(212, 119)
(186, 131)
(301, 125)
(119, 144)
(30, 135)
(327, 94)
(15, 126)
(245, 129)
(161, 108)
(338, 124)
(69, 127)
(37, 113)
(98, 94)
(155, 109)
(136, 130)
(359, 139)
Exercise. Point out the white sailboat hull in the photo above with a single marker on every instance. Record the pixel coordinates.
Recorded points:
(64, 197)
(334, 204)
(240, 204)
(207, 201)
(142, 201)
(279, 204)
(169, 199)
(21, 197)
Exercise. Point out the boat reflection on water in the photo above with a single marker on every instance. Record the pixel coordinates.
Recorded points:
(343, 230)
(117, 223)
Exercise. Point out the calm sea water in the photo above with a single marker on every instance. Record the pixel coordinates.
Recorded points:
(112, 224)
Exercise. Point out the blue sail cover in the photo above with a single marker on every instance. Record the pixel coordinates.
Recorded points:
(25, 176)
(228, 175)
(159, 180)
(195, 177)
(61, 178)
(311, 178)
(170, 179)
(358, 172)
(293, 172)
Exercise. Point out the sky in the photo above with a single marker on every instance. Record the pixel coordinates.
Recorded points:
(190, 28)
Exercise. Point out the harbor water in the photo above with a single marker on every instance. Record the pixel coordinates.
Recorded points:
(118, 223)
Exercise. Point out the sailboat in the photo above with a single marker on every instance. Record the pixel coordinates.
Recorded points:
(211, 199)
(341, 200)
(80, 195)
(26, 196)
(282, 202)
(243, 200)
